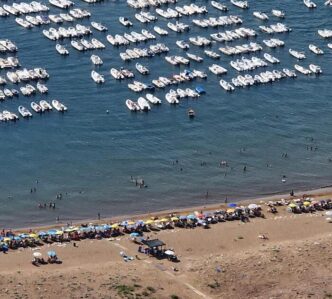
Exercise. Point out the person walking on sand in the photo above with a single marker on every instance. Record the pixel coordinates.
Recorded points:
(98, 216)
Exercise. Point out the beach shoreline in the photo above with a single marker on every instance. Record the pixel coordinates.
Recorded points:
(322, 192)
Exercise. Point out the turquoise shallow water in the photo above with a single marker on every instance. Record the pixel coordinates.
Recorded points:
(89, 156)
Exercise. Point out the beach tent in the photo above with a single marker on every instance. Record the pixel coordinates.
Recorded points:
(153, 243)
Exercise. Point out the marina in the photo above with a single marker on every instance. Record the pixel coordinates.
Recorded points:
(153, 56)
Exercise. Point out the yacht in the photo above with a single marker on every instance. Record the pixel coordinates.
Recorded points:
(24, 112)
(97, 77)
(59, 106)
(96, 60)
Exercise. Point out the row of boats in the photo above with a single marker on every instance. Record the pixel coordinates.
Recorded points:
(9, 62)
(26, 90)
(22, 8)
(152, 50)
(27, 75)
(32, 21)
(311, 4)
(70, 32)
(38, 108)
(221, 21)
(131, 37)
(139, 4)
(7, 46)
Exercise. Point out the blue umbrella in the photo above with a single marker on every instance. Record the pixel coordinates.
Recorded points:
(134, 234)
(191, 216)
(139, 222)
(23, 236)
(52, 232)
(17, 238)
(51, 253)
(106, 226)
(232, 205)
(42, 234)
(124, 223)
(183, 218)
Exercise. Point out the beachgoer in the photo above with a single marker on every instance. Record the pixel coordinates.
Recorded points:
(98, 216)
(245, 168)
(292, 193)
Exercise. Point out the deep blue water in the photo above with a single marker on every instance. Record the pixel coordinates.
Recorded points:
(89, 155)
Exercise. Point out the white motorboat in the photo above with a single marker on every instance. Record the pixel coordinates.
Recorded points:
(194, 57)
(160, 31)
(271, 58)
(260, 15)
(289, 73)
(45, 105)
(97, 77)
(24, 112)
(302, 70)
(219, 6)
(240, 4)
(23, 23)
(9, 115)
(315, 49)
(153, 99)
(217, 69)
(325, 33)
(278, 13)
(61, 49)
(329, 45)
(143, 104)
(316, 69)
(37, 108)
(172, 98)
(132, 106)
(182, 44)
(99, 26)
(142, 69)
(225, 85)
(116, 74)
(309, 4)
(212, 54)
(96, 60)
(42, 88)
(59, 106)
(297, 54)
(125, 22)
(77, 45)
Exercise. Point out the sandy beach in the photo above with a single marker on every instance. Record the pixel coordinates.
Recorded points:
(228, 260)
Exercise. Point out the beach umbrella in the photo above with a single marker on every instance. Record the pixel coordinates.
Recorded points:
(42, 234)
(24, 236)
(6, 239)
(140, 222)
(252, 206)
(1, 238)
(157, 221)
(34, 236)
(69, 229)
(307, 203)
(191, 217)
(292, 205)
(59, 232)
(51, 253)
(131, 223)
(149, 221)
(17, 238)
(106, 226)
(175, 219)
(164, 220)
(37, 254)
(230, 211)
(134, 234)
(232, 205)
(52, 232)
(115, 225)
(183, 217)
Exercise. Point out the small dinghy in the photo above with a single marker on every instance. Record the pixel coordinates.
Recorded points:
(153, 99)
(132, 106)
(142, 69)
(35, 107)
(24, 112)
(45, 105)
(59, 106)
(143, 104)
(97, 77)
(96, 60)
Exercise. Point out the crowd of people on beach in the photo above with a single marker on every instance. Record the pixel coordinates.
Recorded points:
(13, 240)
